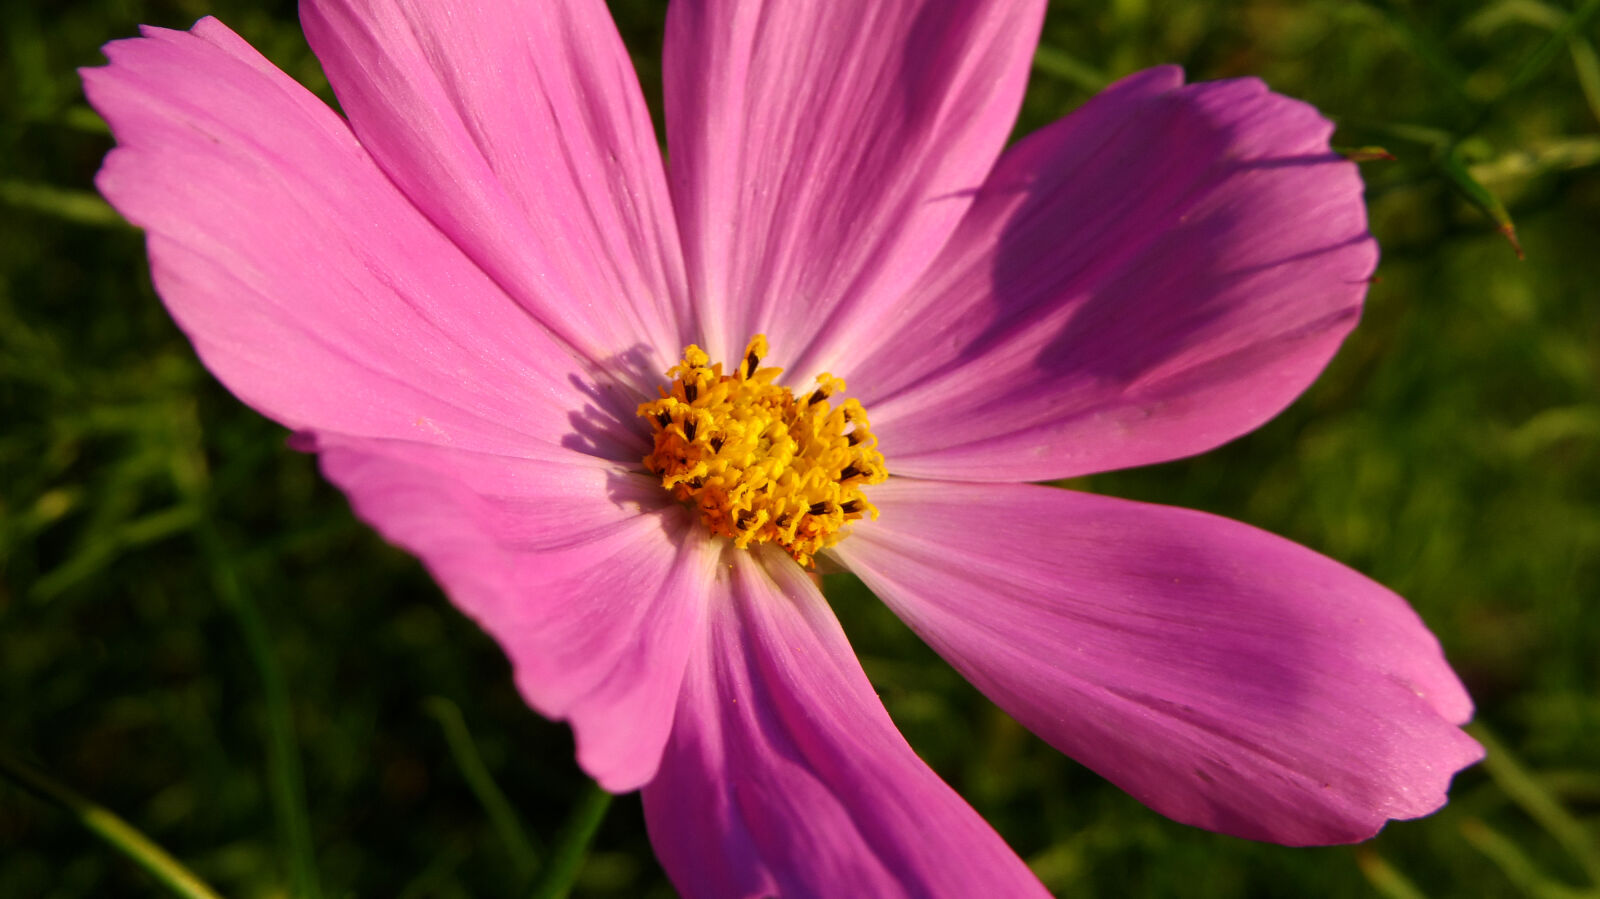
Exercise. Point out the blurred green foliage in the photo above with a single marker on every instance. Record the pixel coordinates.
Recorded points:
(195, 633)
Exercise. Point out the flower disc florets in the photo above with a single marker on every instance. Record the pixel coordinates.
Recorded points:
(760, 465)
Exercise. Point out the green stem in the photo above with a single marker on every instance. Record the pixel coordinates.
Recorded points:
(1432, 53)
(1061, 64)
(1552, 46)
(105, 824)
(1515, 781)
(78, 206)
(287, 783)
(566, 858)
(1384, 877)
(465, 753)
(1534, 64)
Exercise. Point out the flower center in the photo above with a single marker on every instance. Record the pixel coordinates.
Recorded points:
(760, 465)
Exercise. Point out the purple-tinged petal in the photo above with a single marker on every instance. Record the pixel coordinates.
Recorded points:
(785, 776)
(519, 129)
(1159, 272)
(308, 284)
(591, 579)
(821, 153)
(1223, 676)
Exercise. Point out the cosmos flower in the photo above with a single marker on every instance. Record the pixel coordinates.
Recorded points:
(619, 407)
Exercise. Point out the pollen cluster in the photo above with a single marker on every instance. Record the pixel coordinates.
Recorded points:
(760, 465)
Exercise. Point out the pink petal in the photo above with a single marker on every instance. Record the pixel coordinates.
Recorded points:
(308, 284)
(1158, 273)
(785, 777)
(591, 579)
(520, 130)
(1225, 677)
(459, 429)
(821, 153)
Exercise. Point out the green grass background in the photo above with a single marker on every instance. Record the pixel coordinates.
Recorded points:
(195, 633)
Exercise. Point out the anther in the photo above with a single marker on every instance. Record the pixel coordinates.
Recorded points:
(773, 467)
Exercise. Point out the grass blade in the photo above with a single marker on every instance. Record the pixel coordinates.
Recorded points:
(1455, 172)
(78, 206)
(287, 782)
(566, 859)
(1386, 878)
(1059, 63)
(1587, 66)
(108, 826)
(465, 753)
(1534, 799)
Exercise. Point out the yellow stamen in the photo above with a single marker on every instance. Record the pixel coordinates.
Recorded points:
(759, 464)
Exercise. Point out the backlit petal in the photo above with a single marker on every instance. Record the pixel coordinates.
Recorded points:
(519, 129)
(308, 284)
(785, 776)
(1225, 677)
(821, 153)
(590, 578)
(1158, 273)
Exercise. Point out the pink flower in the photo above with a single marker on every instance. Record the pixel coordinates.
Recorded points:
(462, 297)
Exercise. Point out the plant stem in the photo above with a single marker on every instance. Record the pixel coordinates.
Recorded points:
(106, 825)
(566, 858)
(287, 783)
(465, 753)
